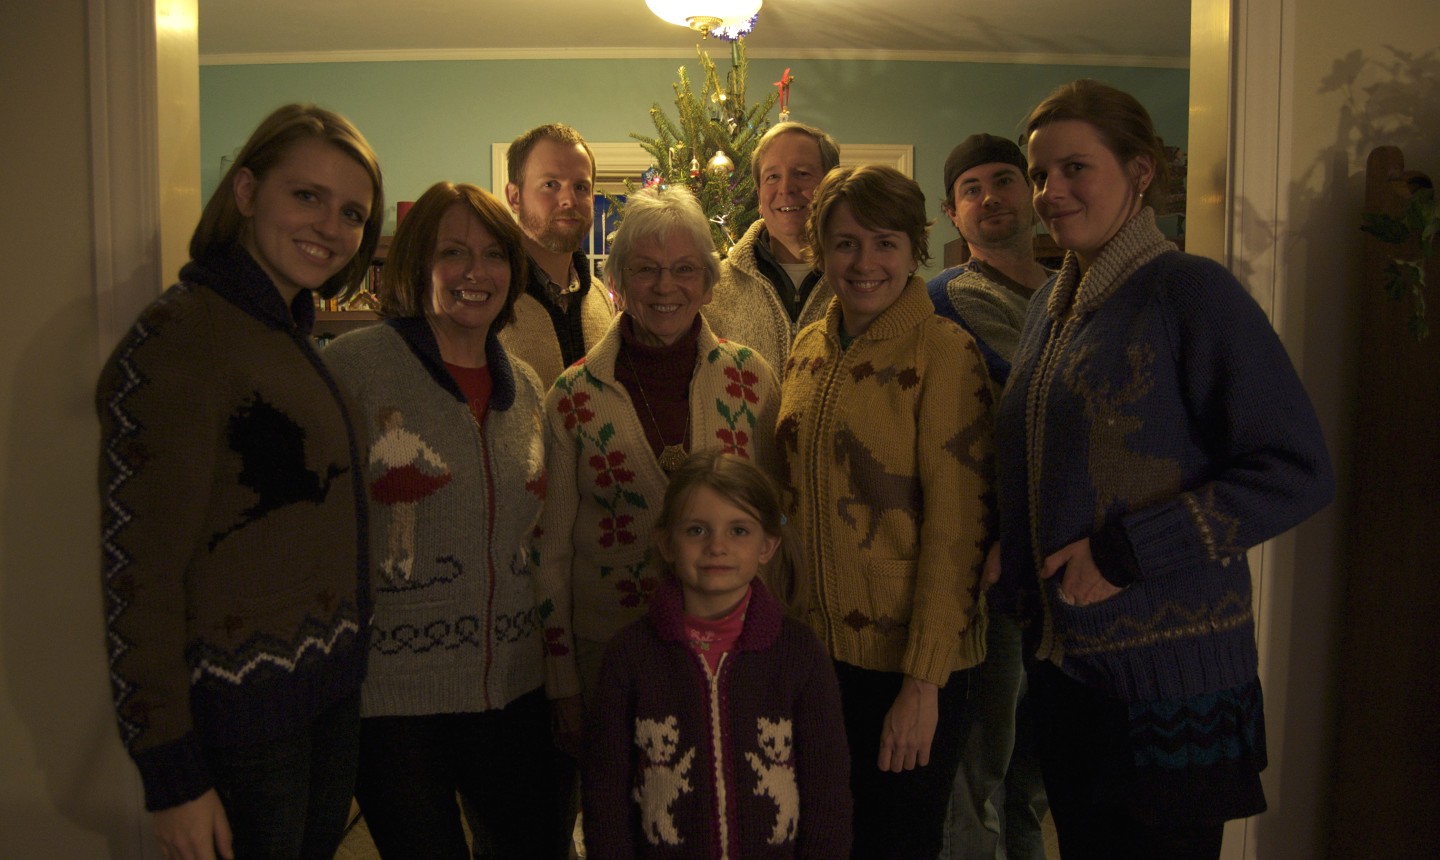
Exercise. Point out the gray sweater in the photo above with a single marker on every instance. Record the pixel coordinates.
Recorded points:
(453, 508)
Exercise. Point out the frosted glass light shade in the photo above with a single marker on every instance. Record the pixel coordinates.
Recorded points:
(705, 14)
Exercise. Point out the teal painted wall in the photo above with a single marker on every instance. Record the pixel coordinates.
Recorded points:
(436, 120)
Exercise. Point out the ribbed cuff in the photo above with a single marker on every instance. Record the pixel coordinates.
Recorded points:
(1163, 540)
(173, 774)
(934, 660)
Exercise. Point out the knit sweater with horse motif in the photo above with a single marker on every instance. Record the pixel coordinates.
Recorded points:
(887, 453)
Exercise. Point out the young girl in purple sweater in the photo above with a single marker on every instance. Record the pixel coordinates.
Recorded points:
(716, 730)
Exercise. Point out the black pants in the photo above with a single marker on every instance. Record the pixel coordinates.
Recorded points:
(501, 762)
(1083, 745)
(289, 798)
(898, 816)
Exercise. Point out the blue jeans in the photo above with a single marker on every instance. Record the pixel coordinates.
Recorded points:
(290, 798)
(998, 800)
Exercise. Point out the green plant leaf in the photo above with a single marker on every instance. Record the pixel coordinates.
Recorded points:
(1419, 208)
(1393, 280)
(1384, 227)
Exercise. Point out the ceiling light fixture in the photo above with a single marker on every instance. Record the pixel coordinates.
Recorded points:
(726, 19)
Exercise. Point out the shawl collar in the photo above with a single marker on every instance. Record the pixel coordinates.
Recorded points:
(763, 617)
(910, 308)
(600, 360)
(1137, 243)
(235, 275)
(417, 334)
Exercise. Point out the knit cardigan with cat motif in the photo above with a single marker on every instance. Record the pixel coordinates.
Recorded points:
(597, 568)
(887, 453)
(748, 762)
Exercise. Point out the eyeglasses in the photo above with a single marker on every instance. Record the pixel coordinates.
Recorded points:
(684, 274)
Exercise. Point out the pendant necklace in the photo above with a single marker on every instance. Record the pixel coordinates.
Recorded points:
(671, 456)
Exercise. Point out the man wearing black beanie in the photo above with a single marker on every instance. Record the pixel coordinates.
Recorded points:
(999, 799)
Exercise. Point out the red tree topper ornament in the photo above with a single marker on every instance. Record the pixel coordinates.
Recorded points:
(784, 86)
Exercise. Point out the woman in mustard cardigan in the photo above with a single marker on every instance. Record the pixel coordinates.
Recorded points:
(885, 435)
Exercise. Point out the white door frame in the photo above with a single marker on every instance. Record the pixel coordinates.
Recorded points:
(1240, 58)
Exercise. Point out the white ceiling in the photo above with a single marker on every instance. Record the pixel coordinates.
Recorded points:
(1110, 32)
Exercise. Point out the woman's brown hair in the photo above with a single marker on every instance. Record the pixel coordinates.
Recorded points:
(880, 197)
(405, 279)
(222, 227)
(1121, 121)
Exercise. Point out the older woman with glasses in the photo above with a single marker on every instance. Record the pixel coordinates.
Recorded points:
(656, 387)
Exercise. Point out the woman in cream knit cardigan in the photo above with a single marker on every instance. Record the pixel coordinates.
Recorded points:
(657, 386)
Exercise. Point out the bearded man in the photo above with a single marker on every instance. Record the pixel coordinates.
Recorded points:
(551, 189)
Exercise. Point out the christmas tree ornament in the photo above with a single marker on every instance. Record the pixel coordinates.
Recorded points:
(707, 118)
(651, 177)
(720, 165)
(783, 87)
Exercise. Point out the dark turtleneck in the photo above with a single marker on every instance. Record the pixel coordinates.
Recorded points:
(659, 376)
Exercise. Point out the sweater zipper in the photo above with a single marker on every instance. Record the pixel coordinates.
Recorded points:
(489, 555)
(817, 510)
(365, 608)
(722, 816)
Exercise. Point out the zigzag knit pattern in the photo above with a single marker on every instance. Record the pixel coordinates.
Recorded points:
(1201, 731)
(115, 560)
(232, 525)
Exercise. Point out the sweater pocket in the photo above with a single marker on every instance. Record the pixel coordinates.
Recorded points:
(890, 584)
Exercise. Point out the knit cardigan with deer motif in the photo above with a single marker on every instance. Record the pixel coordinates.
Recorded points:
(597, 568)
(887, 453)
(1153, 410)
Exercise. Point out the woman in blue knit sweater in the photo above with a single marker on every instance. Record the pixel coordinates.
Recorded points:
(1153, 431)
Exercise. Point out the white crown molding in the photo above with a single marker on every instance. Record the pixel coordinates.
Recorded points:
(480, 54)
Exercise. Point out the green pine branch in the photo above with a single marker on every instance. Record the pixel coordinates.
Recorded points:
(716, 119)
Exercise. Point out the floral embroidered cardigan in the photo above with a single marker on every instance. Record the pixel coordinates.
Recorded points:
(596, 567)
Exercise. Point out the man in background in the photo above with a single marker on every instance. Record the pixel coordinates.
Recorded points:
(998, 800)
(767, 291)
(551, 189)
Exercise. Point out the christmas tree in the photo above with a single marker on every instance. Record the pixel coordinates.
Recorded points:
(709, 146)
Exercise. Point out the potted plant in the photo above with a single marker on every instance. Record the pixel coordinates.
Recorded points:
(1414, 230)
